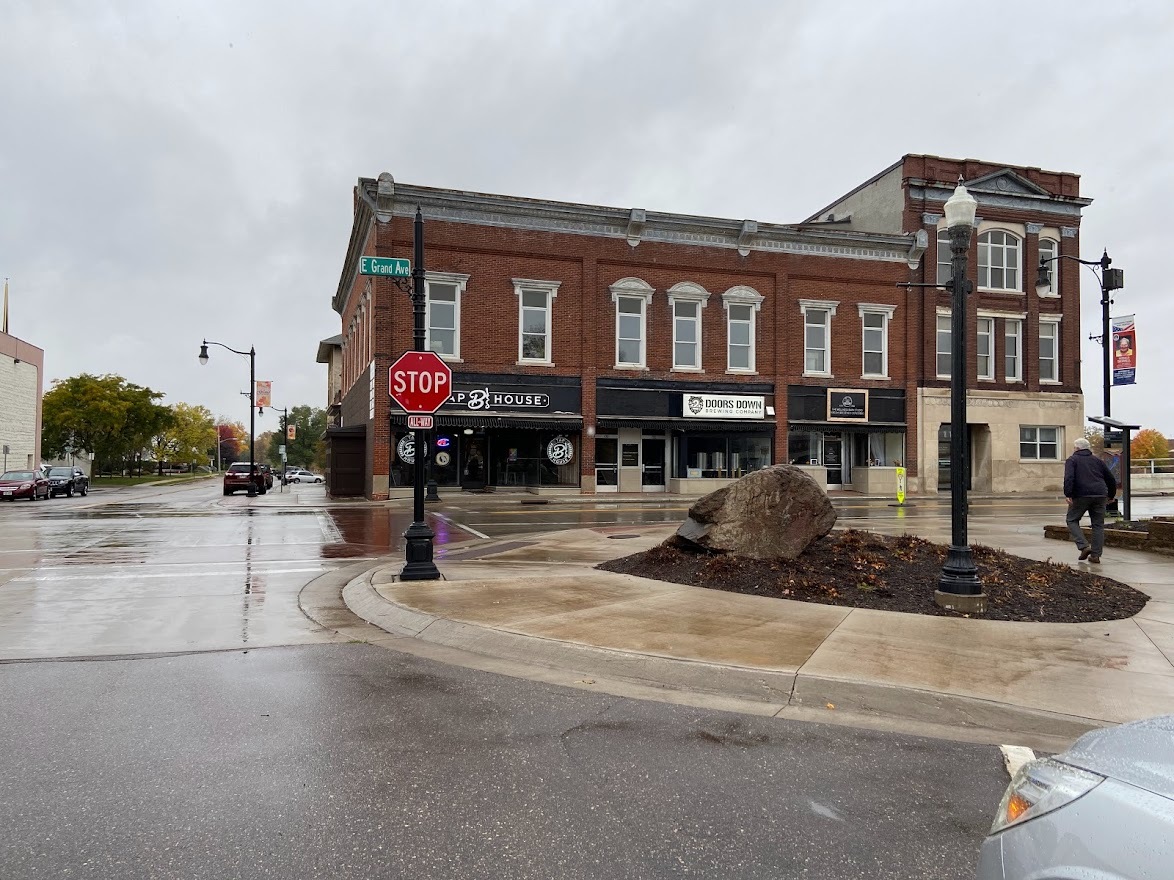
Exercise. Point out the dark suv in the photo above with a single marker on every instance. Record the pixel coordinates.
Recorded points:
(237, 477)
(67, 481)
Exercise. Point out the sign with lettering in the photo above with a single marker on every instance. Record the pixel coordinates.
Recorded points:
(847, 405)
(699, 405)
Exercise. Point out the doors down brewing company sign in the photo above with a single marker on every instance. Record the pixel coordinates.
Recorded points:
(696, 405)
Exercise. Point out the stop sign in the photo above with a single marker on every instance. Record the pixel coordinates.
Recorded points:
(420, 381)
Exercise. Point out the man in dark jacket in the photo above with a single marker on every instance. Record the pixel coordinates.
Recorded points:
(1088, 486)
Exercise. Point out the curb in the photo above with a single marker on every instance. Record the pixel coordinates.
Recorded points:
(758, 691)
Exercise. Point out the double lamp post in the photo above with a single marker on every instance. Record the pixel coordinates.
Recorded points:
(251, 354)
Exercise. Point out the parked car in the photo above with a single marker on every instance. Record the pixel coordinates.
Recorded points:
(1104, 809)
(301, 475)
(237, 477)
(23, 484)
(68, 480)
(268, 473)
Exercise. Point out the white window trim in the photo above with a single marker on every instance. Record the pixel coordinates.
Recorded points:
(941, 313)
(1054, 266)
(1055, 321)
(550, 288)
(1019, 321)
(949, 257)
(741, 295)
(1059, 442)
(887, 313)
(461, 280)
(636, 289)
(990, 348)
(830, 307)
(687, 291)
(1019, 237)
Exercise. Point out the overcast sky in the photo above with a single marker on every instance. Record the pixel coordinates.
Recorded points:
(173, 170)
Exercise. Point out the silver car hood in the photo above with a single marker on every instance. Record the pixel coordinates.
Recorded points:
(1140, 753)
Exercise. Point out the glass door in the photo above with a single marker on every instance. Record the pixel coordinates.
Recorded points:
(652, 453)
(833, 451)
(607, 460)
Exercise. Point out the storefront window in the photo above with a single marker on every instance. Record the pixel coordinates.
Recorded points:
(607, 461)
(533, 458)
(718, 456)
(804, 447)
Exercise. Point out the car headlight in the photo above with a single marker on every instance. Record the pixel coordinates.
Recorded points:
(24, 486)
(1039, 787)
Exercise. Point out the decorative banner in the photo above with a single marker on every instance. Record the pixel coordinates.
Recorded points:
(291, 432)
(263, 394)
(1124, 351)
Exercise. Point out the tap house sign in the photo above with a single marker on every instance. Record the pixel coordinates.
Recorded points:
(847, 405)
(486, 398)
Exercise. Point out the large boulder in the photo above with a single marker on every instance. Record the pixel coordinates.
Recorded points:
(773, 513)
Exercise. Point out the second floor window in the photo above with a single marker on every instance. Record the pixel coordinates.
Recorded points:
(1049, 351)
(945, 346)
(535, 308)
(945, 266)
(1013, 350)
(1049, 248)
(817, 336)
(686, 335)
(998, 261)
(443, 312)
(986, 348)
(741, 304)
(630, 331)
(874, 322)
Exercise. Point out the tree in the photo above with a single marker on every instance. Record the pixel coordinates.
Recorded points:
(186, 438)
(307, 449)
(1148, 443)
(103, 415)
(234, 441)
(1096, 439)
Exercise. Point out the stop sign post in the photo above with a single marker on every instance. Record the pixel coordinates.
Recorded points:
(420, 382)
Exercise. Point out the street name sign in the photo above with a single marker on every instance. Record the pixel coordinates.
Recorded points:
(392, 266)
(421, 423)
(420, 381)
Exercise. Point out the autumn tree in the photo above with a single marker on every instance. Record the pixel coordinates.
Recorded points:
(234, 441)
(106, 416)
(1096, 439)
(1148, 443)
(308, 448)
(186, 438)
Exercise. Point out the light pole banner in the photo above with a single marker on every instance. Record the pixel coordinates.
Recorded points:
(1124, 351)
(264, 393)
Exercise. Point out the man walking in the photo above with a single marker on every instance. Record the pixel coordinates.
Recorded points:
(1088, 485)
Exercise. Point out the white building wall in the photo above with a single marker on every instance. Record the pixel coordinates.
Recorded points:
(994, 418)
(18, 412)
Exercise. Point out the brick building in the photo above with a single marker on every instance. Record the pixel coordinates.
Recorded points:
(600, 349)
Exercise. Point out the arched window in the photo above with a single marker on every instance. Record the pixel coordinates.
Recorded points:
(999, 261)
(1048, 249)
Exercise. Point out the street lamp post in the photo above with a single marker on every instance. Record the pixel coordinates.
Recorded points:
(959, 588)
(1110, 280)
(251, 354)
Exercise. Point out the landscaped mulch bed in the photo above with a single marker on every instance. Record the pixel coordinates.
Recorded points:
(861, 569)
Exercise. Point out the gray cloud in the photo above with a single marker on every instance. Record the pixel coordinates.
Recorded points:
(170, 171)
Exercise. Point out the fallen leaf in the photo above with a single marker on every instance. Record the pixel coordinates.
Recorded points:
(831, 705)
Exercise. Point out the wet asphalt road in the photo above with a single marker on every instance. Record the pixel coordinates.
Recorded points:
(223, 734)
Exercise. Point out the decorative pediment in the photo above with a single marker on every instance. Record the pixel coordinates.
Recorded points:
(1006, 182)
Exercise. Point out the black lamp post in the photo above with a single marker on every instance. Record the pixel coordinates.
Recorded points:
(419, 565)
(1110, 280)
(959, 588)
(251, 354)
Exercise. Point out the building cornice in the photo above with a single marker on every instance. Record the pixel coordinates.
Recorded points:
(921, 190)
(636, 226)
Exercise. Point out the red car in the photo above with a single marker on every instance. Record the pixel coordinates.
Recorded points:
(237, 477)
(23, 484)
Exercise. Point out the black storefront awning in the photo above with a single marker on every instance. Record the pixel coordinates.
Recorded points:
(835, 427)
(693, 425)
(499, 420)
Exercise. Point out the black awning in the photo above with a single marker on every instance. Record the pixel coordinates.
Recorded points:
(834, 427)
(499, 420)
(757, 426)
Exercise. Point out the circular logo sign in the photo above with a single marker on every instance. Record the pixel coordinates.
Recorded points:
(560, 450)
(406, 449)
(442, 459)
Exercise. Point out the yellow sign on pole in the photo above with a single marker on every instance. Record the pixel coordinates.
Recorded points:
(900, 485)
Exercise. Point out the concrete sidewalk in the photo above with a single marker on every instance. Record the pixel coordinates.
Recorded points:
(534, 606)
